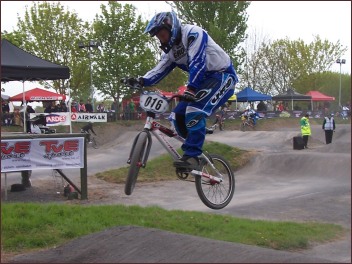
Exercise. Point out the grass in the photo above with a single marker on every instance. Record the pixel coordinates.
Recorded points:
(156, 168)
(32, 226)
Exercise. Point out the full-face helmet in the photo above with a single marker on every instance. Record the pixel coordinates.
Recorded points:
(169, 21)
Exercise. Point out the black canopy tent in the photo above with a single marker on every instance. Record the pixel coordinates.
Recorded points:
(19, 65)
(291, 95)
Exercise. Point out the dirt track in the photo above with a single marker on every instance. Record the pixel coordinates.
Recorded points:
(279, 184)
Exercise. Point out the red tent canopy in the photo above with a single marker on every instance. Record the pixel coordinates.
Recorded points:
(181, 89)
(318, 96)
(38, 94)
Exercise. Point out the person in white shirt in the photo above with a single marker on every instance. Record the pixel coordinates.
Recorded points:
(329, 128)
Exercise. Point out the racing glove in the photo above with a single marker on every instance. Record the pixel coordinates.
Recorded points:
(190, 94)
(133, 82)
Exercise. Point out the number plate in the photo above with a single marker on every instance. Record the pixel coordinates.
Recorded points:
(153, 102)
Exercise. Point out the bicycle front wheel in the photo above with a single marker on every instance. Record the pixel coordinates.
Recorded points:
(136, 162)
(216, 195)
(243, 127)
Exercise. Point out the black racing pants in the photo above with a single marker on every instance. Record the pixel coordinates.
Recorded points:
(328, 136)
(305, 140)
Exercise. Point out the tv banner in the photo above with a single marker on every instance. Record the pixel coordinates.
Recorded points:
(41, 153)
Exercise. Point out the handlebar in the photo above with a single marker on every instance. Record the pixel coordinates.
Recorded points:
(134, 83)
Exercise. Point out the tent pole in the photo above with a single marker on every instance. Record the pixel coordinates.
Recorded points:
(25, 109)
(69, 108)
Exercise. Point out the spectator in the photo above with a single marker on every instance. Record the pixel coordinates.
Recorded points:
(63, 106)
(50, 108)
(305, 129)
(344, 112)
(280, 107)
(58, 108)
(100, 108)
(329, 128)
(81, 106)
(74, 107)
(261, 106)
(29, 110)
(7, 119)
(17, 117)
(89, 107)
(5, 107)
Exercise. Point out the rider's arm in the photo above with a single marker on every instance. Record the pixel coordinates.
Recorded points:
(163, 68)
(197, 40)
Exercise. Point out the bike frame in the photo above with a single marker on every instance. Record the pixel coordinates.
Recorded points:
(162, 133)
(248, 121)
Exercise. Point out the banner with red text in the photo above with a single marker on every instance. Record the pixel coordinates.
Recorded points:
(63, 118)
(42, 153)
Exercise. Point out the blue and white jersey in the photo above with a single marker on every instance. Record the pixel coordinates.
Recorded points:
(197, 54)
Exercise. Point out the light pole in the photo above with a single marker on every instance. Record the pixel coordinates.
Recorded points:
(91, 44)
(340, 61)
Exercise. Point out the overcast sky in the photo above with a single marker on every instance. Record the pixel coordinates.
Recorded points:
(330, 20)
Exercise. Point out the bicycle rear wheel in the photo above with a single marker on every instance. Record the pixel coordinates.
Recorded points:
(216, 195)
(136, 162)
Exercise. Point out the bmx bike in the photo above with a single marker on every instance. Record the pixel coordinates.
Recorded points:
(93, 141)
(246, 123)
(214, 181)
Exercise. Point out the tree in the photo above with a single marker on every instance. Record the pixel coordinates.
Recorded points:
(328, 83)
(51, 33)
(251, 71)
(124, 50)
(225, 21)
(281, 63)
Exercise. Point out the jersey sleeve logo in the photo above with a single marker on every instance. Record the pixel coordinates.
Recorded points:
(192, 38)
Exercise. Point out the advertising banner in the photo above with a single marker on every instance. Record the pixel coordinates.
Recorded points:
(41, 153)
(89, 117)
(63, 118)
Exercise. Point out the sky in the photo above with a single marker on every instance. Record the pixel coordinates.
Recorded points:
(330, 20)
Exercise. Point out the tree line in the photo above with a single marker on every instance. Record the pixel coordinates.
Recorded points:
(52, 32)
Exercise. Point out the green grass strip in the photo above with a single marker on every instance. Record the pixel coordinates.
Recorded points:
(27, 226)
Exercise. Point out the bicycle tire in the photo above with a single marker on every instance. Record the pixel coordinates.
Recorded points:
(94, 143)
(243, 127)
(136, 163)
(216, 196)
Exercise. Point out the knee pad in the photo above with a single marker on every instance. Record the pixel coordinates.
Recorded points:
(195, 121)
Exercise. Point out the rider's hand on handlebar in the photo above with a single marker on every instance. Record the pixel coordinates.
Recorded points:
(189, 95)
(133, 82)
